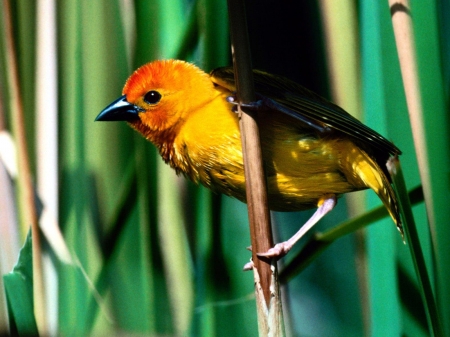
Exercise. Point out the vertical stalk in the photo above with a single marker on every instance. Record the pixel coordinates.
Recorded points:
(46, 106)
(268, 300)
(404, 39)
(339, 20)
(26, 200)
(412, 238)
(432, 160)
(47, 147)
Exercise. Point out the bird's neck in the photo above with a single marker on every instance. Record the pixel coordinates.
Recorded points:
(163, 140)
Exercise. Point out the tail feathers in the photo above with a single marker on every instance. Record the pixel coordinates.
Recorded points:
(373, 176)
(387, 196)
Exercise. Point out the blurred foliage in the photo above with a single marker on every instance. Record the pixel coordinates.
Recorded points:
(164, 256)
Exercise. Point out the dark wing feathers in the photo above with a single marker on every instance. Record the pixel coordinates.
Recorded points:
(302, 103)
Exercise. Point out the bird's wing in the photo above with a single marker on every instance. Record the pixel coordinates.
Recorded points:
(289, 97)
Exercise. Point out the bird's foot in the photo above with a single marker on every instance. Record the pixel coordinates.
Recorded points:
(248, 266)
(278, 251)
(254, 106)
(326, 204)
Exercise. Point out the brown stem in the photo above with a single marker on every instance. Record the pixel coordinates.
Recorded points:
(26, 200)
(256, 189)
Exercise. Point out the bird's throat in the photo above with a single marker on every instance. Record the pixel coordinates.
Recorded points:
(163, 140)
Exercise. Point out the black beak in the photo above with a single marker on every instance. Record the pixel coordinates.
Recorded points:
(119, 110)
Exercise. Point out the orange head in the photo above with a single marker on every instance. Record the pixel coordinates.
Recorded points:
(158, 97)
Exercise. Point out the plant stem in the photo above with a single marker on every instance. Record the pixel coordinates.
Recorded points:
(259, 217)
(268, 299)
(412, 238)
(26, 199)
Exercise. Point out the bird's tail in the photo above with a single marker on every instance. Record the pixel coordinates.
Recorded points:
(373, 176)
(387, 196)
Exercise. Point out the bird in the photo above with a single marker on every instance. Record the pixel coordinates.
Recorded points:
(313, 150)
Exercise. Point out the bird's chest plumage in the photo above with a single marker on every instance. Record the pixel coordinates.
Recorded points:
(208, 150)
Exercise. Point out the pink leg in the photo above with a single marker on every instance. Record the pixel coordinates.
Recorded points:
(325, 205)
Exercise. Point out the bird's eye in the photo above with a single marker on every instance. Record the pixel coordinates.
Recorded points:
(152, 97)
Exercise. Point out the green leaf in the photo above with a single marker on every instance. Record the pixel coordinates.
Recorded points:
(19, 293)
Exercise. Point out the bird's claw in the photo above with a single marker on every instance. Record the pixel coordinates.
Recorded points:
(251, 105)
(248, 266)
(278, 251)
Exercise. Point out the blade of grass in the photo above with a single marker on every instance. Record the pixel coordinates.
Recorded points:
(24, 23)
(73, 292)
(161, 37)
(47, 144)
(384, 108)
(412, 238)
(126, 198)
(46, 107)
(341, 37)
(9, 235)
(339, 19)
(204, 249)
(19, 292)
(175, 251)
(212, 33)
(189, 40)
(419, 52)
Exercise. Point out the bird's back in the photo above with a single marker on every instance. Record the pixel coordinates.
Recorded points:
(302, 162)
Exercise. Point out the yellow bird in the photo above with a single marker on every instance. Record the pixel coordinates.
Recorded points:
(313, 150)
